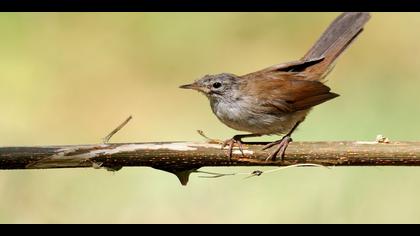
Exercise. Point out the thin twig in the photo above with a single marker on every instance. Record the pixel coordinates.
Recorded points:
(109, 136)
(255, 172)
(209, 140)
(260, 172)
(212, 174)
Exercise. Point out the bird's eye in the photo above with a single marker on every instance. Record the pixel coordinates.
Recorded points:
(217, 85)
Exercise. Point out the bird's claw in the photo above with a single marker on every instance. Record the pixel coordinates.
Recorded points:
(231, 142)
(280, 150)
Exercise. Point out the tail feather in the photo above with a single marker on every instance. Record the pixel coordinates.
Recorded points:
(336, 38)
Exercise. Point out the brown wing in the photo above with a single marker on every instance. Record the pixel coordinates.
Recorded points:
(282, 92)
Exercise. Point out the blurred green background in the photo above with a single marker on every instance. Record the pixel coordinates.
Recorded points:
(70, 78)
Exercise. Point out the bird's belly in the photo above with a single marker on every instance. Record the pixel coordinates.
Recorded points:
(239, 118)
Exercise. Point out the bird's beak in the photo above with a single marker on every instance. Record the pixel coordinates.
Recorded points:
(195, 86)
(189, 86)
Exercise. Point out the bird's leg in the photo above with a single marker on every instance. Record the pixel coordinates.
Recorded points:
(282, 145)
(237, 139)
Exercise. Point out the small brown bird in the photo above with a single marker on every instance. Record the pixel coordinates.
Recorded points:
(277, 99)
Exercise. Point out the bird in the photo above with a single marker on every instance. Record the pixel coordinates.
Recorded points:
(276, 99)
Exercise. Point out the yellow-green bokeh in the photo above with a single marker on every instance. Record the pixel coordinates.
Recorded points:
(70, 78)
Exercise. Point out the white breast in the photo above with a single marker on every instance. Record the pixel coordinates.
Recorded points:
(237, 115)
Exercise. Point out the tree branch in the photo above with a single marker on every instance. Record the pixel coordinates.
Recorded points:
(177, 157)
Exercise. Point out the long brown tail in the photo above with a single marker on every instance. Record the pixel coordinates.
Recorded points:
(338, 36)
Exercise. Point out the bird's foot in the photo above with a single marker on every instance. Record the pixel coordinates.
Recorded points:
(231, 143)
(280, 149)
